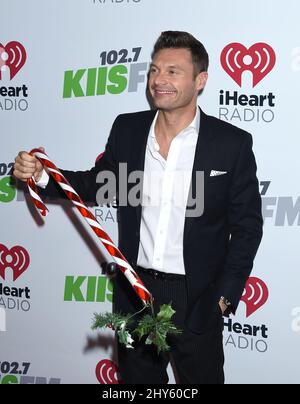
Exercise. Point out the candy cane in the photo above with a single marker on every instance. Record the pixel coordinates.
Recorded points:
(115, 253)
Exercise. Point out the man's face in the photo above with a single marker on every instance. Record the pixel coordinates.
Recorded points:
(172, 83)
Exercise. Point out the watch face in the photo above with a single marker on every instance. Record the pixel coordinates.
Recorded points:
(225, 301)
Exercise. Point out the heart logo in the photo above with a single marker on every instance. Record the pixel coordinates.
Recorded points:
(255, 295)
(107, 372)
(13, 55)
(259, 59)
(17, 258)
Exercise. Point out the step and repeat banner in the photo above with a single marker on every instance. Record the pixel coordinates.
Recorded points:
(67, 69)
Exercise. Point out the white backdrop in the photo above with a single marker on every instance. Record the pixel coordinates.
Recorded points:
(45, 314)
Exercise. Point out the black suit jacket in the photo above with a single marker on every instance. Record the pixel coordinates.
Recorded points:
(220, 245)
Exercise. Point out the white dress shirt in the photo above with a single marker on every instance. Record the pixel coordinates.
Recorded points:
(165, 194)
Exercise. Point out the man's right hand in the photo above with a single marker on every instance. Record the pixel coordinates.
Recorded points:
(27, 166)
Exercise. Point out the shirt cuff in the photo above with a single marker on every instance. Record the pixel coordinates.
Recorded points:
(43, 181)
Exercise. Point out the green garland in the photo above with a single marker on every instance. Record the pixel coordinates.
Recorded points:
(155, 328)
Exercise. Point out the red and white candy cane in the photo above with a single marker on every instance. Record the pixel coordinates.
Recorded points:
(115, 253)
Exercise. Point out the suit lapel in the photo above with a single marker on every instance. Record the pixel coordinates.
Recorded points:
(201, 162)
(139, 148)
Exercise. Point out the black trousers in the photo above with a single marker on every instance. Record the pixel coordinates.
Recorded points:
(198, 359)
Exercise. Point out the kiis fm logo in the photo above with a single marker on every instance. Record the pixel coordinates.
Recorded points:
(260, 60)
(88, 289)
(12, 57)
(17, 373)
(119, 71)
(283, 210)
(8, 190)
(107, 372)
(16, 260)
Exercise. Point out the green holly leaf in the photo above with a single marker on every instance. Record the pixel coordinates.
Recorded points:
(145, 326)
(159, 340)
(111, 320)
(166, 312)
(154, 328)
(125, 338)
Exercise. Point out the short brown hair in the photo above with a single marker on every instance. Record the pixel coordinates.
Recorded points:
(181, 39)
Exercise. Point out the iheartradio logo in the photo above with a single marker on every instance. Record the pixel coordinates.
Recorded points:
(255, 295)
(259, 59)
(13, 55)
(107, 372)
(17, 259)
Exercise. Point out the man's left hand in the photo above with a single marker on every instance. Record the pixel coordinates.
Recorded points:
(223, 306)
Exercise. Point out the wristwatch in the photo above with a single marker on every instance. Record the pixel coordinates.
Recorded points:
(228, 304)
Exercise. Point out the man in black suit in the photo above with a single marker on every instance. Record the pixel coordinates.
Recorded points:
(198, 261)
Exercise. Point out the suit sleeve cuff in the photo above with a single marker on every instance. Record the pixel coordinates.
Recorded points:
(43, 181)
